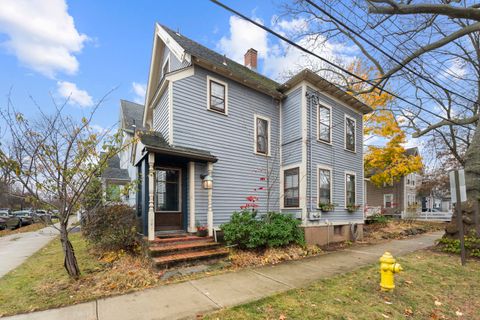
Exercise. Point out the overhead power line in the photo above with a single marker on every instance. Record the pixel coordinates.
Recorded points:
(404, 66)
(296, 45)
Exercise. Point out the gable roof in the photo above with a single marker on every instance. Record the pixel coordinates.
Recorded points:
(203, 54)
(131, 113)
(114, 172)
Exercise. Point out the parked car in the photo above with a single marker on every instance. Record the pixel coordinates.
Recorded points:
(42, 216)
(8, 221)
(25, 216)
(54, 214)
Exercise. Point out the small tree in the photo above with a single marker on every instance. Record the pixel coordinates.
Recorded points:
(54, 158)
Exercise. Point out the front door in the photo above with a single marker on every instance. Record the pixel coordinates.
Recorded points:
(168, 199)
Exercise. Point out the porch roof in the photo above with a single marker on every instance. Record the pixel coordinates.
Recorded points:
(154, 142)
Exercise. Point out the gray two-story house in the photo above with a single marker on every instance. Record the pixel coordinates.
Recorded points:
(218, 132)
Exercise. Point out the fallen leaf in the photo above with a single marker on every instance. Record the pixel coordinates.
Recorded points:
(385, 316)
(408, 282)
(408, 312)
(458, 313)
(388, 302)
(282, 317)
(438, 303)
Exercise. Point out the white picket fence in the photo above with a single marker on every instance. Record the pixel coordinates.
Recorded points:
(429, 216)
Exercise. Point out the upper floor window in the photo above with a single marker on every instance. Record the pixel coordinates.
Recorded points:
(350, 198)
(324, 124)
(262, 135)
(217, 95)
(291, 187)
(350, 129)
(324, 186)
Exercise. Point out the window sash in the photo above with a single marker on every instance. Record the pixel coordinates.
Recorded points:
(324, 121)
(350, 134)
(291, 188)
(217, 99)
(262, 136)
(350, 189)
(388, 201)
(324, 186)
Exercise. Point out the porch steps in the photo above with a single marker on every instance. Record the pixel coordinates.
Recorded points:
(181, 250)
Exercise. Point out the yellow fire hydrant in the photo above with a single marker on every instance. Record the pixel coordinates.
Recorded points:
(388, 267)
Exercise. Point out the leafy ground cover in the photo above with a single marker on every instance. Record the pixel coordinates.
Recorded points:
(433, 286)
(29, 228)
(399, 229)
(42, 283)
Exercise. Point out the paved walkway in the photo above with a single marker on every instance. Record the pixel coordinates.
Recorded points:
(16, 248)
(186, 300)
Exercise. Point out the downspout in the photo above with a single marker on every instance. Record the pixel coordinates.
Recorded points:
(309, 153)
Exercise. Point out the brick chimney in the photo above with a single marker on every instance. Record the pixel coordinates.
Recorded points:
(251, 59)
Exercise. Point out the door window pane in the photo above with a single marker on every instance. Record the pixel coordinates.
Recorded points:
(167, 190)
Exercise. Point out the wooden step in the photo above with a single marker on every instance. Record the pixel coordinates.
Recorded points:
(179, 240)
(160, 250)
(175, 259)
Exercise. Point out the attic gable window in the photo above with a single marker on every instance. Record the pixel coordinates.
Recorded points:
(217, 95)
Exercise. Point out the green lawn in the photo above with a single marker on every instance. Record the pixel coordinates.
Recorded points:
(433, 286)
(42, 282)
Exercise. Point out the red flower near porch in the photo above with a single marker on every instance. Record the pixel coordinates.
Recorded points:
(251, 203)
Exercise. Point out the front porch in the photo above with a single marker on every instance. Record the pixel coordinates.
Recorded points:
(169, 185)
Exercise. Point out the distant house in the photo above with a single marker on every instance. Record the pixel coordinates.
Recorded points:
(121, 171)
(210, 121)
(398, 199)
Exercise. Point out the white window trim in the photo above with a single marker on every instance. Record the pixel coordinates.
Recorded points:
(345, 185)
(323, 167)
(209, 78)
(282, 185)
(255, 117)
(163, 66)
(318, 123)
(385, 198)
(345, 133)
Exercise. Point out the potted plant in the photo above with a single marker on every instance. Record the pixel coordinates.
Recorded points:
(202, 230)
(352, 207)
(326, 206)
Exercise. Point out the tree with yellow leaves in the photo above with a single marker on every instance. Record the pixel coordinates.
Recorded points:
(389, 163)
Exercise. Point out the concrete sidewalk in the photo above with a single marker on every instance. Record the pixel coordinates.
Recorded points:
(186, 300)
(16, 248)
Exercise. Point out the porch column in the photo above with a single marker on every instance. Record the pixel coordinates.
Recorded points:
(151, 210)
(209, 208)
(191, 196)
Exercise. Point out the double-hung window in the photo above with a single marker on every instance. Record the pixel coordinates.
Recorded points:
(350, 127)
(291, 187)
(324, 124)
(388, 200)
(217, 95)
(324, 186)
(350, 189)
(262, 135)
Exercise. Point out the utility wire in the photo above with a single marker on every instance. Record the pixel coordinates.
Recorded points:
(325, 60)
(384, 52)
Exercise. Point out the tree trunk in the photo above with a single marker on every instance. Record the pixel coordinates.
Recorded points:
(472, 181)
(70, 261)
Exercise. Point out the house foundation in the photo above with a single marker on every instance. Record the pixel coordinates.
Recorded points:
(322, 235)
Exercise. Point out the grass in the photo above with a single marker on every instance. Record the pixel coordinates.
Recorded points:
(41, 282)
(29, 228)
(433, 286)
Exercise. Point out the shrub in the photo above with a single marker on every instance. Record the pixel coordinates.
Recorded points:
(272, 230)
(112, 227)
(472, 245)
(379, 218)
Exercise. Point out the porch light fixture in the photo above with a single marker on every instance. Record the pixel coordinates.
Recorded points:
(207, 181)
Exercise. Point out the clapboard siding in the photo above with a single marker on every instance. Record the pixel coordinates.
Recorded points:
(336, 157)
(161, 115)
(291, 128)
(230, 138)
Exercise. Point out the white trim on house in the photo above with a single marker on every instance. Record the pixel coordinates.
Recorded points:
(315, 88)
(345, 187)
(269, 122)
(170, 112)
(318, 123)
(330, 169)
(191, 197)
(173, 45)
(345, 133)
(280, 139)
(225, 84)
(303, 188)
(282, 184)
(167, 60)
(385, 200)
